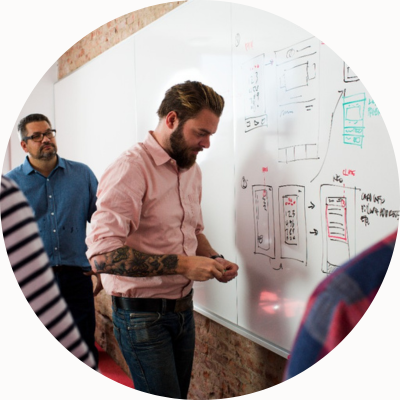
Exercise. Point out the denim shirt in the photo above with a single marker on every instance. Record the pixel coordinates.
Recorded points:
(62, 203)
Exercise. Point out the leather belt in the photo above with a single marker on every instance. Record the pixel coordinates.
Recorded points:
(154, 305)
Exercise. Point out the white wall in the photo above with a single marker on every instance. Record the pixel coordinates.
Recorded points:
(40, 101)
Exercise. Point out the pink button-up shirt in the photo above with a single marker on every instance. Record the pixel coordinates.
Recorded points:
(146, 202)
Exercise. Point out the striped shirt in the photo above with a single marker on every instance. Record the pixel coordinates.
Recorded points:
(32, 270)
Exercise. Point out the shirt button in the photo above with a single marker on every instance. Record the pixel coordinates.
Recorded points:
(54, 230)
(55, 248)
(50, 196)
(52, 213)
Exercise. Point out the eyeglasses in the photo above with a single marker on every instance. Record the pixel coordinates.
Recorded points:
(38, 137)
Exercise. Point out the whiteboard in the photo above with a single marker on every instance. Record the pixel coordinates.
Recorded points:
(300, 136)
(311, 150)
(95, 110)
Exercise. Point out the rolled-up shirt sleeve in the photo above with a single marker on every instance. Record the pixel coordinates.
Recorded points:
(119, 203)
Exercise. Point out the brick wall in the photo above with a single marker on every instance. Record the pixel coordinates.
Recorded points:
(226, 364)
(109, 35)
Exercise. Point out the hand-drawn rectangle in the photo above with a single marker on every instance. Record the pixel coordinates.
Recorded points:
(264, 220)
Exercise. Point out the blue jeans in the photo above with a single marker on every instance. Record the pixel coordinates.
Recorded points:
(158, 349)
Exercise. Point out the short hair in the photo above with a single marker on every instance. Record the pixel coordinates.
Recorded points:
(28, 119)
(188, 99)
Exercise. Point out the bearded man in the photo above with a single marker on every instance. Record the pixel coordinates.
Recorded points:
(147, 240)
(62, 194)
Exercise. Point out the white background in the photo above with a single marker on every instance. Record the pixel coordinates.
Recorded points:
(35, 34)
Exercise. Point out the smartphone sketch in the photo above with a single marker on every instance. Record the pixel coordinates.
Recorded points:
(264, 220)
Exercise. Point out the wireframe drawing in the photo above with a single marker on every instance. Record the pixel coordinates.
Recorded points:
(293, 223)
(298, 88)
(353, 107)
(353, 119)
(255, 104)
(264, 233)
(338, 204)
(338, 236)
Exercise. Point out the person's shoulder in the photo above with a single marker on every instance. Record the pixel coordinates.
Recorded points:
(132, 156)
(7, 183)
(136, 151)
(10, 193)
(15, 173)
(75, 165)
(131, 162)
(361, 275)
(369, 268)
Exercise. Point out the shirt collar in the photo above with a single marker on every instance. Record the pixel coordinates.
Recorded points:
(160, 156)
(28, 169)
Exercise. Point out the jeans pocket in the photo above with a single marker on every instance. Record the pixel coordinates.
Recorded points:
(144, 327)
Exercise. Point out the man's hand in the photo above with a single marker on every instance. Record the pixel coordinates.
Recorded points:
(99, 286)
(199, 268)
(230, 270)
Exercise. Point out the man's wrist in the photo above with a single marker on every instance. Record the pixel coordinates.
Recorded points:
(217, 256)
(181, 264)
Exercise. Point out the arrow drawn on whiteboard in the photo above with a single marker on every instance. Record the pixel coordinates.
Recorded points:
(312, 205)
(342, 93)
(314, 232)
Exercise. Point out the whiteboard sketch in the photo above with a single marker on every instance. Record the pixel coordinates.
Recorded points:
(293, 223)
(264, 220)
(353, 119)
(372, 208)
(298, 89)
(338, 205)
(341, 95)
(255, 105)
(348, 74)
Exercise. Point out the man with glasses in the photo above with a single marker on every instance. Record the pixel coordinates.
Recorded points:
(62, 194)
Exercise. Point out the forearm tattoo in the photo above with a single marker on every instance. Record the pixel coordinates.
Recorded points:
(130, 262)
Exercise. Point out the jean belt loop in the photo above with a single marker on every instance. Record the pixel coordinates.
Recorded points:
(164, 306)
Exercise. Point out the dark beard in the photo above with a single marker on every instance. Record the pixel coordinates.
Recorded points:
(47, 155)
(179, 150)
